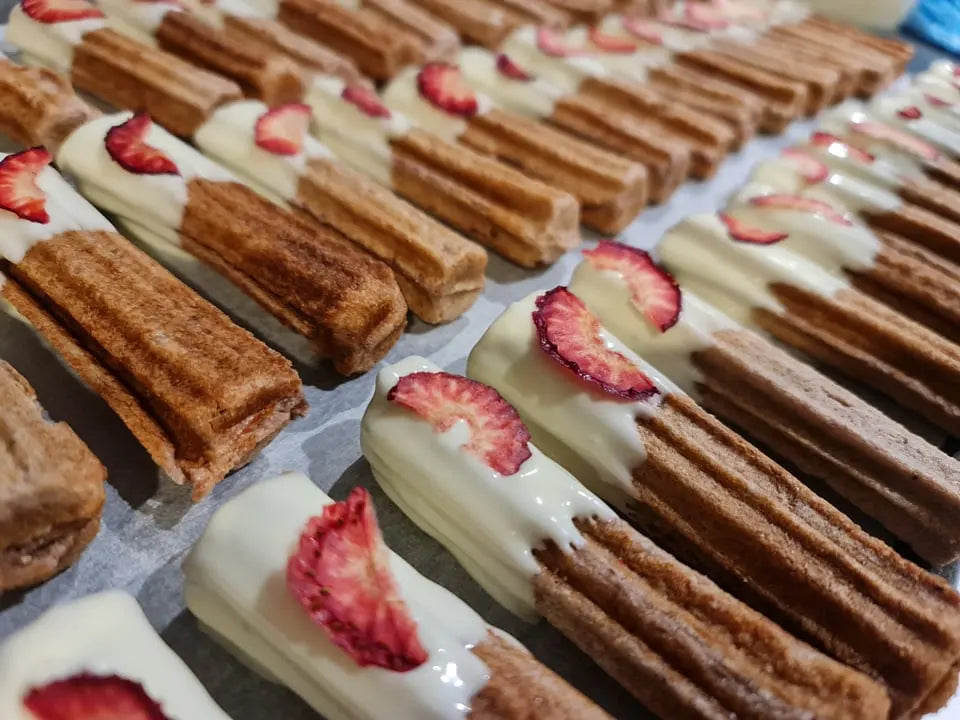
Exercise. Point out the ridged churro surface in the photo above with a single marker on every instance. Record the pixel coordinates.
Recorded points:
(718, 504)
(200, 393)
(317, 282)
(130, 75)
(891, 474)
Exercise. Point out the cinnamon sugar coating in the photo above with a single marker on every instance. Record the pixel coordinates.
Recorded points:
(874, 345)
(430, 37)
(922, 227)
(310, 277)
(440, 272)
(51, 489)
(39, 107)
(611, 190)
(715, 502)
(137, 77)
(934, 196)
(264, 74)
(681, 645)
(894, 476)
(524, 220)
(521, 688)
(199, 393)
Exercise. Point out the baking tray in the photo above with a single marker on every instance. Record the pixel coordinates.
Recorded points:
(149, 524)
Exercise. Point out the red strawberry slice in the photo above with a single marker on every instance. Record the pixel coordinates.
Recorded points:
(903, 140)
(801, 204)
(340, 574)
(283, 129)
(570, 335)
(19, 192)
(654, 291)
(910, 113)
(497, 435)
(553, 43)
(742, 232)
(57, 11)
(611, 43)
(367, 100)
(125, 143)
(92, 697)
(643, 30)
(705, 16)
(936, 101)
(443, 85)
(822, 139)
(508, 68)
(810, 168)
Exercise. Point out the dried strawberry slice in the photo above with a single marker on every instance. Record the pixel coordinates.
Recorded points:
(810, 168)
(508, 68)
(282, 130)
(92, 697)
(903, 140)
(443, 86)
(553, 43)
(643, 30)
(19, 192)
(497, 435)
(57, 11)
(366, 100)
(822, 139)
(910, 113)
(742, 232)
(936, 100)
(340, 575)
(125, 143)
(799, 203)
(611, 43)
(654, 291)
(570, 335)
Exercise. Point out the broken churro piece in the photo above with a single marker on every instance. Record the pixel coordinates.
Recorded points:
(457, 460)
(51, 486)
(294, 581)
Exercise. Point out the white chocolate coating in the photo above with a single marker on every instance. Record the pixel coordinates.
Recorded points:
(608, 296)
(491, 523)
(591, 433)
(832, 245)
(844, 121)
(736, 276)
(839, 189)
(536, 98)
(880, 172)
(155, 201)
(137, 19)
(229, 136)
(936, 126)
(402, 95)
(236, 585)
(353, 136)
(48, 44)
(567, 73)
(67, 211)
(105, 634)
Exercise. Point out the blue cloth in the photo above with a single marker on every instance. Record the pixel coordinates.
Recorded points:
(937, 22)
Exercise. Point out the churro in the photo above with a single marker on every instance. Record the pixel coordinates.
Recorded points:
(457, 459)
(715, 502)
(51, 486)
(260, 580)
